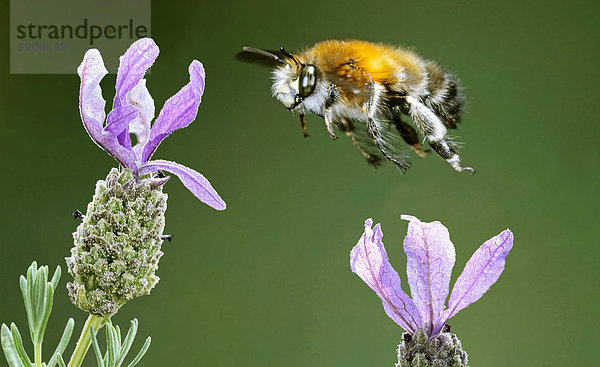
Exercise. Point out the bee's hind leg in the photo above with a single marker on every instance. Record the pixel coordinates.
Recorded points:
(447, 150)
(434, 131)
(410, 136)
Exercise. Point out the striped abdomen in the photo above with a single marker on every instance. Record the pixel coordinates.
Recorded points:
(444, 95)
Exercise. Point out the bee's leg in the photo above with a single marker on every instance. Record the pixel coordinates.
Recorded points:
(329, 123)
(375, 127)
(435, 132)
(349, 129)
(332, 97)
(447, 150)
(303, 123)
(409, 135)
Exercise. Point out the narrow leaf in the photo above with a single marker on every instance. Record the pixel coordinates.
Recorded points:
(27, 288)
(46, 312)
(10, 350)
(26, 300)
(112, 345)
(62, 344)
(118, 335)
(128, 341)
(16, 336)
(37, 297)
(23, 286)
(141, 353)
(97, 351)
(61, 361)
(56, 277)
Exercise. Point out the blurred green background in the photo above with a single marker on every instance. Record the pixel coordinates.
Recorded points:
(268, 282)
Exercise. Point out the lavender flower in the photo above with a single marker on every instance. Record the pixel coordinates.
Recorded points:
(133, 111)
(430, 258)
(117, 246)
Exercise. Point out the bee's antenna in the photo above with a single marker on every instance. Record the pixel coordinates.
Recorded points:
(289, 56)
(265, 53)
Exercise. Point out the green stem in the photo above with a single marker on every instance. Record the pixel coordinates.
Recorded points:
(85, 339)
(38, 354)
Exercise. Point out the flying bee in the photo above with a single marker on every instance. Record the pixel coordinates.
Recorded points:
(367, 90)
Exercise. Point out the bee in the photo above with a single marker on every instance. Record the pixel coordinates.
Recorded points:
(367, 90)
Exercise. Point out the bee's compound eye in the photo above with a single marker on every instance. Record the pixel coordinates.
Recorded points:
(307, 80)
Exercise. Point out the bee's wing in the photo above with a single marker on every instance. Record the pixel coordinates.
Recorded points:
(350, 86)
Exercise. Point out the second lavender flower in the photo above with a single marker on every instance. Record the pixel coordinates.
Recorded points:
(430, 259)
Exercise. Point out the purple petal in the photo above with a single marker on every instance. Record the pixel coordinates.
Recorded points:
(430, 257)
(179, 110)
(91, 106)
(118, 119)
(482, 270)
(369, 261)
(132, 66)
(194, 181)
(91, 71)
(140, 126)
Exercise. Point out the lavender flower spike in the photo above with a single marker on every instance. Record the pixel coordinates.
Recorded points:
(133, 111)
(430, 259)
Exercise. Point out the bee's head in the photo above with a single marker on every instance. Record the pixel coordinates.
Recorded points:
(293, 80)
(292, 85)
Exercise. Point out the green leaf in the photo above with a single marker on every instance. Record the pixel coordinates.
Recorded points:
(112, 345)
(31, 291)
(47, 309)
(128, 341)
(24, 284)
(141, 353)
(56, 277)
(10, 350)
(96, 347)
(116, 352)
(18, 342)
(61, 362)
(62, 344)
(118, 329)
(38, 298)
(38, 295)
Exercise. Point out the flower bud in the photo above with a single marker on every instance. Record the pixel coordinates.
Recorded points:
(117, 245)
(419, 350)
